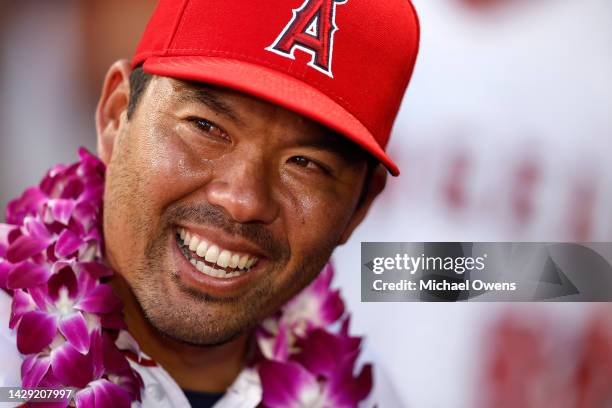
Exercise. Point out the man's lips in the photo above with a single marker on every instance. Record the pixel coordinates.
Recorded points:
(211, 258)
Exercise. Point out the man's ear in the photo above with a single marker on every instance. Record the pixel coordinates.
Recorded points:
(376, 186)
(112, 107)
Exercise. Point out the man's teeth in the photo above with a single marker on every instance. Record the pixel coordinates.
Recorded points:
(234, 261)
(215, 255)
(212, 254)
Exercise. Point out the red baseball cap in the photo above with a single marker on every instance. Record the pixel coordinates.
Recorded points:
(343, 63)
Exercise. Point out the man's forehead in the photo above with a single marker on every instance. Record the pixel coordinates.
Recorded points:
(228, 100)
(238, 107)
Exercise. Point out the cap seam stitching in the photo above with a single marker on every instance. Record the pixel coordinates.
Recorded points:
(409, 74)
(177, 26)
(417, 46)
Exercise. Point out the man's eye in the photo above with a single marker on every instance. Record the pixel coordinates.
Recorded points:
(209, 127)
(306, 163)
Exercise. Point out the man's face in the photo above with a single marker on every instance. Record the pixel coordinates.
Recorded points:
(254, 183)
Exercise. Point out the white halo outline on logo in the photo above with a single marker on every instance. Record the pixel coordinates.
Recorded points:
(291, 53)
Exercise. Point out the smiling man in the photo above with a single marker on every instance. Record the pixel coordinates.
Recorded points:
(243, 143)
(224, 205)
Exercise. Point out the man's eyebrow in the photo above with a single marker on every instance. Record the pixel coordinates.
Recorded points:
(207, 97)
(336, 144)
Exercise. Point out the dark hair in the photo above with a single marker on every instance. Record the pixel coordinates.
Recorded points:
(138, 83)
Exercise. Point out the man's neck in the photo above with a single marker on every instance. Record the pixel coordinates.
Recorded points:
(195, 368)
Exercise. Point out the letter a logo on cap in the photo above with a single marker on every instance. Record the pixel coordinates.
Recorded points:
(311, 30)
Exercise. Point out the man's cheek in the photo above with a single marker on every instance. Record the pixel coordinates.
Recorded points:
(173, 171)
(327, 222)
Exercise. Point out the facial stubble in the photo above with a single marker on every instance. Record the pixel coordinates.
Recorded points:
(195, 317)
(198, 318)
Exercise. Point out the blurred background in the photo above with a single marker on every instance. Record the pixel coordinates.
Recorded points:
(505, 134)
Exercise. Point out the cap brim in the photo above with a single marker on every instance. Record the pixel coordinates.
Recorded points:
(275, 87)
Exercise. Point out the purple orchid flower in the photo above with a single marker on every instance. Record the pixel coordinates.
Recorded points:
(114, 383)
(69, 324)
(66, 321)
(320, 375)
(315, 307)
(64, 305)
(303, 364)
(103, 377)
(57, 220)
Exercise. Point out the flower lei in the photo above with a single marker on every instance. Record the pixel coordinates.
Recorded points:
(67, 321)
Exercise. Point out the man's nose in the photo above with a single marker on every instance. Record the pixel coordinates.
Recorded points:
(243, 189)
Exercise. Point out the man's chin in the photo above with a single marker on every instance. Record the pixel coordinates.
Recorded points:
(192, 317)
(191, 338)
(185, 325)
